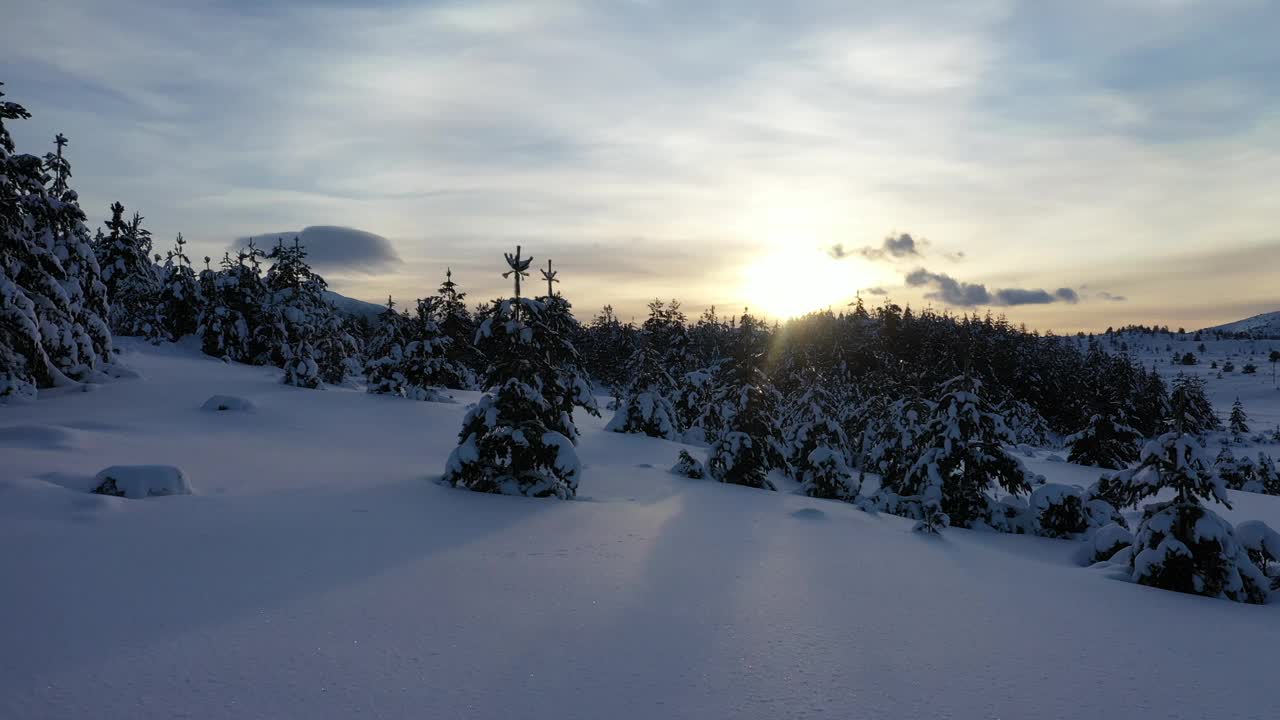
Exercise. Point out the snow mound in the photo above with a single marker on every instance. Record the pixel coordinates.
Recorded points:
(38, 437)
(233, 403)
(139, 481)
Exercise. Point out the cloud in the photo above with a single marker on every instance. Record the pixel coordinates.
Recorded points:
(948, 289)
(894, 247)
(875, 291)
(1113, 298)
(954, 292)
(1020, 296)
(333, 247)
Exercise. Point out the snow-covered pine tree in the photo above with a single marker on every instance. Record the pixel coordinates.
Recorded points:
(513, 441)
(234, 298)
(130, 276)
(645, 407)
(961, 455)
(570, 387)
(691, 399)
(180, 297)
(817, 448)
(52, 304)
(751, 443)
(1151, 408)
(1239, 422)
(1180, 544)
(425, 364)
(296, 314)
(1236, 473)
(890, 440)
(300, 368)
(459, 327)
(1191, 411)
(385, 353)
(1266, 480)
(1107, 441)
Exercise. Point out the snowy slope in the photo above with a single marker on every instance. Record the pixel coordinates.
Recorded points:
(1266, 325)
(320, 573)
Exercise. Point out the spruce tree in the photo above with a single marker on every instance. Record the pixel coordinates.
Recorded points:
(1192, 413)
(130, 276)
(1239, 422)
(961, 455)
(296, 314)
(645, 406)
(516, 440)
(1180, 544)
(425, 364)
(816, 443)
(456, 324)
(1107, 441)
(383, 368)
(751, 443)
(52, 303)
(180, 297)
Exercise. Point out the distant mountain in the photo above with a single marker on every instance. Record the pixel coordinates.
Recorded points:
(351, 306)
(1266, 325)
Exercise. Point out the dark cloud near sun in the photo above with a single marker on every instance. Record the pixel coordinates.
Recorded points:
(894, 247)
(335, 248)
(963, 294)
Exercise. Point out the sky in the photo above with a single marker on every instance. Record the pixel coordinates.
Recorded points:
(1069, 165)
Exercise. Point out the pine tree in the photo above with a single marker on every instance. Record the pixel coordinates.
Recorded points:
(645, 407)
(296, 314)
(516, 440)
(1180, 544)
(52, 303)
(383, 371)
(131, 279)
(232, 315)
(425, 364)
(750, 444)
(1107, 441)
(1152, 409)
(301, 369)
(817, 445)
(961, 454)
(1192, 413)
(1239, 422)
(456, 324)
(180, 297)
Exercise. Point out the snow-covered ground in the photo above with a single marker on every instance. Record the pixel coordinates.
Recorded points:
(319, 572)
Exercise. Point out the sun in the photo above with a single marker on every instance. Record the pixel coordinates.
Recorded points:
(789, 283)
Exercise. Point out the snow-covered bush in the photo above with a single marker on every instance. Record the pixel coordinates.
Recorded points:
(1059, 510)
(1263, 545)
(689, 466)
(139, 481)
(1103, 544)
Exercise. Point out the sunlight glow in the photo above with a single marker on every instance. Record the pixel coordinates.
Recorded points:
(789, 283)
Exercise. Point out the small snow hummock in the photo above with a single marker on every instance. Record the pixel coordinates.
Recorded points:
(139, 481)
(233, 403)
